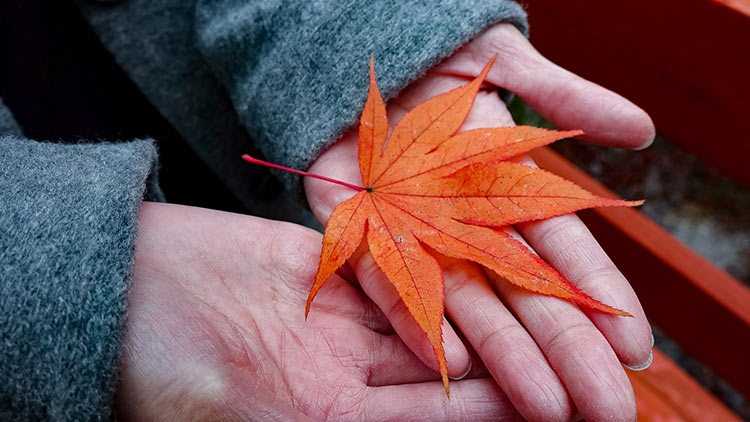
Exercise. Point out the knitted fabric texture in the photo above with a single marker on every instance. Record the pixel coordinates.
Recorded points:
(297, 72)
(68, 218)
(294, 73)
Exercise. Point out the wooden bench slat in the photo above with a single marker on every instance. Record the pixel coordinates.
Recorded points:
(686, 62)
(664, 392)
(699, 306)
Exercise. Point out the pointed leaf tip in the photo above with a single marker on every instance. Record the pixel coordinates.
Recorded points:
(486, 69)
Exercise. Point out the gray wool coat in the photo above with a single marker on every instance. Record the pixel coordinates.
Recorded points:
(288, 76)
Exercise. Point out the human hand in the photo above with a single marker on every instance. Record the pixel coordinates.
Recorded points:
(216, 331)
(547, 355)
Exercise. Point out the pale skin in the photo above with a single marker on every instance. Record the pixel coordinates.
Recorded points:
(216, 328)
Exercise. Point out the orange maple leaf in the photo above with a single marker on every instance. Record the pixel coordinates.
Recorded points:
(427, 185)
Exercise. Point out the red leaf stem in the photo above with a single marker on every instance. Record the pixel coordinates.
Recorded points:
(254, 160)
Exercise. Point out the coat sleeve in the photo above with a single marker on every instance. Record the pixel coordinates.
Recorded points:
(68, 216)
(297, 70)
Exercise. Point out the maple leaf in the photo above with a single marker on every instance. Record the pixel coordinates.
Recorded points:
(427, 185)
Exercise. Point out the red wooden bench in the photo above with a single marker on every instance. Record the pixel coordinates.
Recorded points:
(687, 62)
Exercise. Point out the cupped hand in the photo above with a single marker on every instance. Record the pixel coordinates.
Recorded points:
(548, 356)
(216, 331)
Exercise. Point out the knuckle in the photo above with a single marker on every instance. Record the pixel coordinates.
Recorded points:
(292, 250)
(599, 276)
(563, 228)
(568, 337)
(398, 313)
(559, 412)
(498, 339)
(613, 409)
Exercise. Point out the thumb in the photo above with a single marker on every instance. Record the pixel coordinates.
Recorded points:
(338, 162)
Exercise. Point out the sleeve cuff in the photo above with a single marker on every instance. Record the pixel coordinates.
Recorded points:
(298, 74)
(68, 218)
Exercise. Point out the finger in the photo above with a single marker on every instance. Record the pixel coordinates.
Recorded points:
(391, 362)
(506, 348)
(339, 162)
(567, 245)
(489, 111)
(471, 400)
(378, 288)
(567, 100)
(429, 86)
(577, 351)
(339, 298)
(478, 369)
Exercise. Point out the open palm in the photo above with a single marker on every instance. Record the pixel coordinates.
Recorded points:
(216, 331)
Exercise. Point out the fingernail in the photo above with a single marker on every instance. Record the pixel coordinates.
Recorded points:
(466, 372)
(644, 365)
(649, 141)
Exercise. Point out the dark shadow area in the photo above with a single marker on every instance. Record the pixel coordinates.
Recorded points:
(62, 85)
